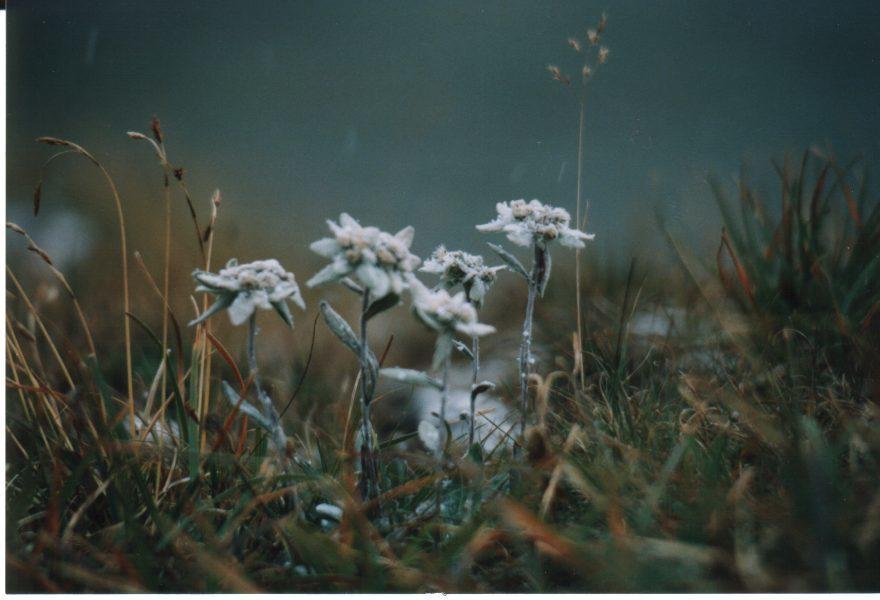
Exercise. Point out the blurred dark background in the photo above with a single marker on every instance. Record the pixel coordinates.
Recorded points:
(424, 113)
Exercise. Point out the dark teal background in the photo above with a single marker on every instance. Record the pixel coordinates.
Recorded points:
(430, 112)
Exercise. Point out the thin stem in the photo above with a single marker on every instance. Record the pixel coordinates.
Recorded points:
(475, 361)
(252, 353)
(369, 465)
(123, 251)
(525, 354)
(444, 390)
(441, 455)
(204, 390)
(577, 252)
(166, 283)
(126, 298)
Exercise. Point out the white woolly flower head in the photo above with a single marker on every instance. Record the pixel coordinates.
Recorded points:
(527, 223)
(242, 289)
(378, 260)
(446, 313)
(458, 267)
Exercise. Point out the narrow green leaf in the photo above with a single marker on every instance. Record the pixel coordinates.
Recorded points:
(221, 303)
(463, 348)
(387, 302)
(340, 328)
(510, 260)
(283, 311)
(243, 405)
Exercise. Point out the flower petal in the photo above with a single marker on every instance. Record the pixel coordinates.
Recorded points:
(326, 247)
(328, 273)
(242, 308)
(406, 235)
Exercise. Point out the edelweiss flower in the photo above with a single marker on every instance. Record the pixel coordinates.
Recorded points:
(377, 259)
(446, 313)
(245, 288)
(458, 267)
(526, 223)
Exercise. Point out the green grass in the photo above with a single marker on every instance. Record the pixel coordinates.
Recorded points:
(736, 452)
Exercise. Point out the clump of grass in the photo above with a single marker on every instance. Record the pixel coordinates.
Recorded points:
(815, 255)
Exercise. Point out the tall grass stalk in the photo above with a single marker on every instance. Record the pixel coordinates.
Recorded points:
(123, 249)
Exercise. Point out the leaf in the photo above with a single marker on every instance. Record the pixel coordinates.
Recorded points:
(442, 350)
(545, 273)
(410, 376)
(350, 284)
(388, 301)
(244, 406)
(340, 328)
(284, 311)
(479, 388)
(510, 260)
(221, 303)
(463, 348)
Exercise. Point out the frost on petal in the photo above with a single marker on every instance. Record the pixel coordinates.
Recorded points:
(406, 235)
(493, 225)
(242, 308)
(347, 221)
(574, 238)
(397, 283)
(373, 278)
(476, 290)
(519, 235)
(328, 273)
(432, 266)
(326, 247)
(212, 280)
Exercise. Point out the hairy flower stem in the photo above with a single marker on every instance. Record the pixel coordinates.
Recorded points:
(441, 455)
(252, 354)
(269, 412)
(369, 461)
(475, 361)
(539, 266)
